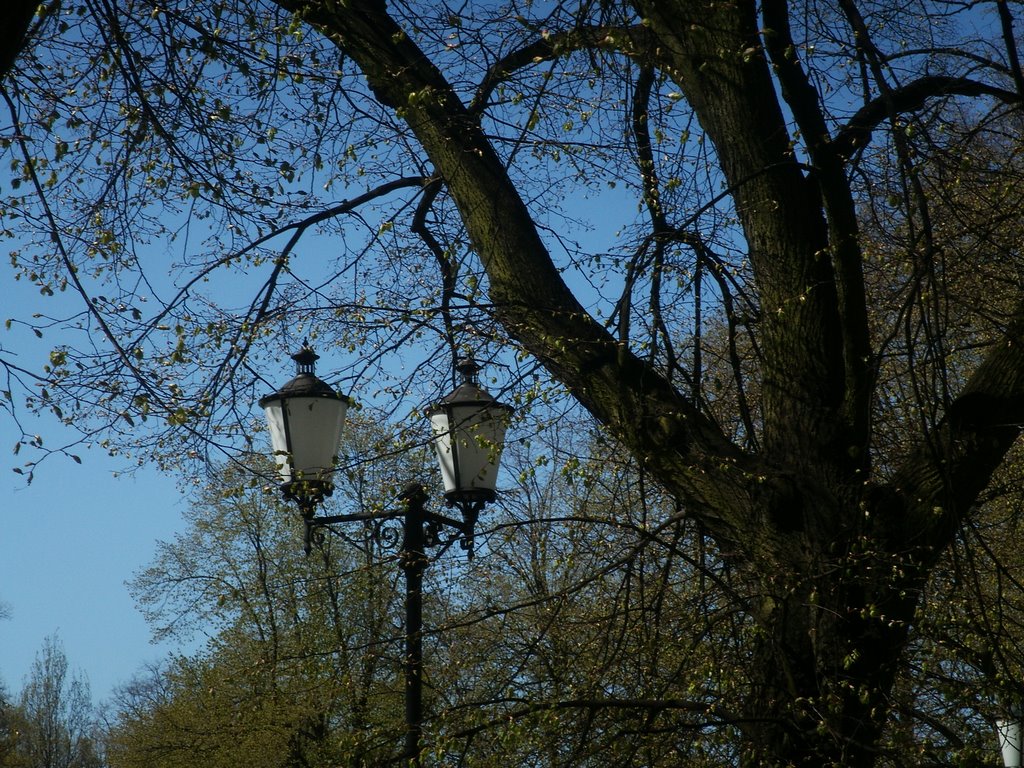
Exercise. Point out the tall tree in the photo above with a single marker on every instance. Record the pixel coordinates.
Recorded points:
(747, 145)
(549, 646)
(56, 728)
(300, 667)
(8, 727)
(596, 629)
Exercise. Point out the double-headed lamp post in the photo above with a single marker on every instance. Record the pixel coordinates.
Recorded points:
(306, 417)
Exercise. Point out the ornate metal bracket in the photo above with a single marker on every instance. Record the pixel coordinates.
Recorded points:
(421, 527)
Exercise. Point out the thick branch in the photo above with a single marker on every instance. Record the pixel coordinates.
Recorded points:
(686, 451)
(714, 53)
(1010, 40)
(908, 98)
(632, 41)
(651, 706)
(844, 235)
(15, 21)
(944, 478)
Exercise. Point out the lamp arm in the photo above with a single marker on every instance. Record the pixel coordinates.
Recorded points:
(356, 517)
(449, 522)
(315, 524)
(433, 521)
(431, 518)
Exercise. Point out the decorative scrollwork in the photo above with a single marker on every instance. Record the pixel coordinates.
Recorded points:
(412, 529)
(387, 534)
(382, 533)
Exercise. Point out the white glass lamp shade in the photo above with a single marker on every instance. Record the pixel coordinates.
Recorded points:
(468, 440)
(469, 432)
(305, 418)
(1010, 741)
(305, 433)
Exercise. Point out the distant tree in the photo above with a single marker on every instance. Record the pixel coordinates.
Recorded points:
(302, 666)
(222, 710)
(562, 644)
(8, 727)
(56, 727)
(547, 648)
(7, 715)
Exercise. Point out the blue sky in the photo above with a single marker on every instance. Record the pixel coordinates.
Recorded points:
(70, 540)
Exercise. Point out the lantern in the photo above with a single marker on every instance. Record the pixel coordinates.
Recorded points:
(305, 417)
(1009, 731)
(469, 431)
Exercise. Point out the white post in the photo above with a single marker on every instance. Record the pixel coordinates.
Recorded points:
(1010, 742)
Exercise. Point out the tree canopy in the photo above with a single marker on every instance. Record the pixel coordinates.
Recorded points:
(770, 248)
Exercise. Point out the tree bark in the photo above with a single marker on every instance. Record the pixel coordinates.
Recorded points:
(15, 21)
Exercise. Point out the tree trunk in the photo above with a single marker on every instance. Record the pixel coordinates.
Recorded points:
(826, 658)
(834, 563)
(15, 20)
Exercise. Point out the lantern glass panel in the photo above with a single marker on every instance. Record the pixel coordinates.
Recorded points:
(305, 433)
(468, 439)
(274, 411)
(1010, 742)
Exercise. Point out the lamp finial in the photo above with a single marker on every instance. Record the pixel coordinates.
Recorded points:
(468, 367)
(305, 359)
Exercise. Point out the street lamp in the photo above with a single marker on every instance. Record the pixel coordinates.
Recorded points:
(469, 433)
(306, 418)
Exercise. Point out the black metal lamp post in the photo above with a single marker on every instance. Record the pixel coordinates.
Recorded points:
(306, 418)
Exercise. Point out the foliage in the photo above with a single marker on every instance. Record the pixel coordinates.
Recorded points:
(595, 630)
(8, 727)
(301, 665)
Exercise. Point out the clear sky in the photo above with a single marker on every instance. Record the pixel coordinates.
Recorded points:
(70, 540)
